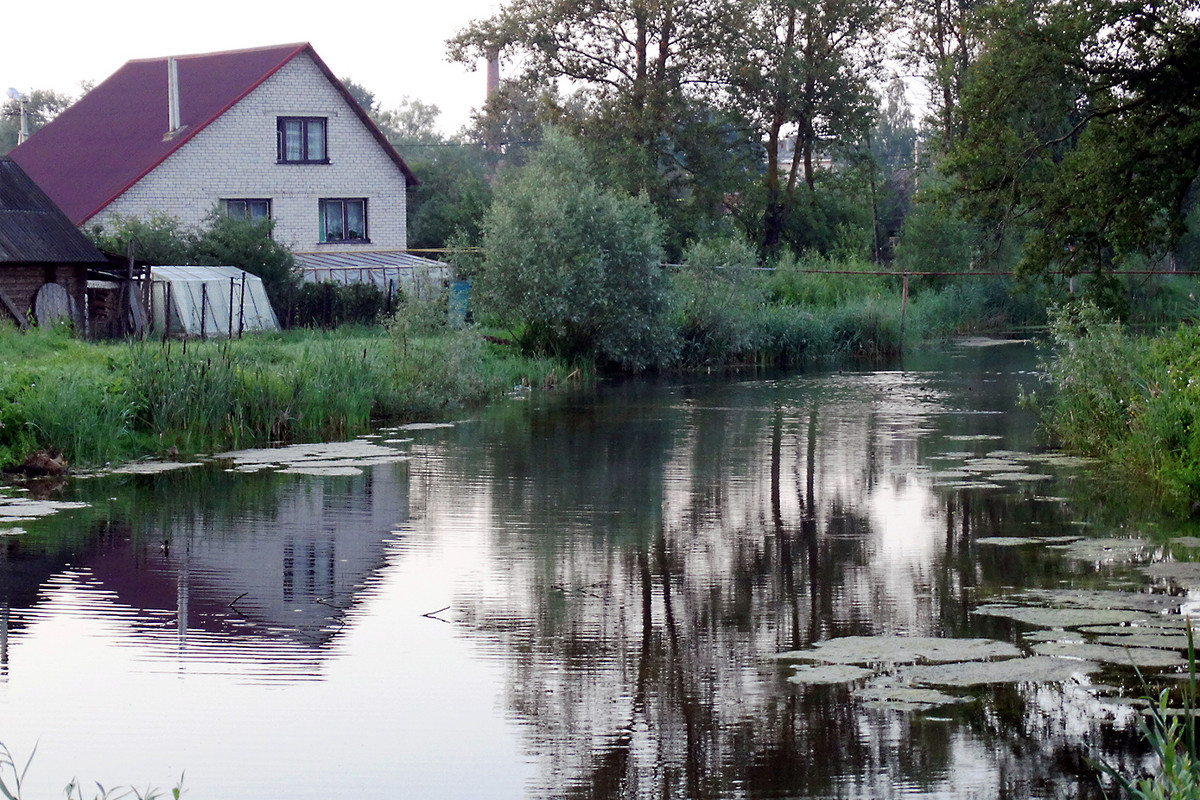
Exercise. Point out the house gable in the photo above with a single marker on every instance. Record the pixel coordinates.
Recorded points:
(236, 157)
(104, 146)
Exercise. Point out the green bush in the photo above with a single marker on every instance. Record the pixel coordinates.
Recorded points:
(571, 269)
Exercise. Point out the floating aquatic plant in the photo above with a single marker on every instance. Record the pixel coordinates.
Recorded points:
(829, 674)
(901, 650)
(1141, 657)
(1013, 670)
(1061, 617)
(906, 698)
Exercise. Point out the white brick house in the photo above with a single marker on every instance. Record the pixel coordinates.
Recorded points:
(269, 131)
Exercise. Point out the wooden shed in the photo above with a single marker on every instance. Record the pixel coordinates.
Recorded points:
(44, 258)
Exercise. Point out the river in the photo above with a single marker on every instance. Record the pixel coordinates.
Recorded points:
(581, 595)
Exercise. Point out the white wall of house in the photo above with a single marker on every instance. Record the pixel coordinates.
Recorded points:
(235, 157)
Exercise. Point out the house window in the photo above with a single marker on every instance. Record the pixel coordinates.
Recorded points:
(253, 210)
(302, 140)
(344, 220)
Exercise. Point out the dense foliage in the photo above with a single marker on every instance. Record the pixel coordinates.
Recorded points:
(1133, 401)
(570, 268)
(1082, 135)
(221, 241)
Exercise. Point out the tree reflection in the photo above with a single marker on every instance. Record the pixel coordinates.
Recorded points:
(659, 549)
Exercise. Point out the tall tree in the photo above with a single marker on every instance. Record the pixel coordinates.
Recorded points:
(1085, 134)
(804, 67)
(939, 47)
(635, 62)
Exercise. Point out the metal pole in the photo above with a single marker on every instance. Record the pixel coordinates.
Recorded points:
(231, 279)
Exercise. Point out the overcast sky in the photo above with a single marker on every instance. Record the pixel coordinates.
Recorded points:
(395, 50)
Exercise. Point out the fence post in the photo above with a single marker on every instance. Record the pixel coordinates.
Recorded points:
(903, 305)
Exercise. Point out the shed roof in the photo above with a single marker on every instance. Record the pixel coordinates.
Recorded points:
(33, 229)
(113, 136)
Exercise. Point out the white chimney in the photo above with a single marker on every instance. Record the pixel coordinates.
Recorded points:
(172, 96)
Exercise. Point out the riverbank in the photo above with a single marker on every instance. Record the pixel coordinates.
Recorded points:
(1131, 400)
(94, 403)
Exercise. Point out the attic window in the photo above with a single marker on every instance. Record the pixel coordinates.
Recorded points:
(301, 140)
(344, 220)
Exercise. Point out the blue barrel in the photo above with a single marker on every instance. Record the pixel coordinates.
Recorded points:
(460, 294)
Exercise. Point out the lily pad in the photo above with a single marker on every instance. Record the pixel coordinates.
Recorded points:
(903, 650)
(1053, 636)
(1108, 654)
(1149, 625)
(1100, 599)
(829, 674)
(951, 475)
(16, 508)
(301, 469)
(1014, 670)
(154, 467)
(1061, 617)
(425, 426)
(1018, 477)
(326, 451)
(1176, 640)
(906, 698)
(975, 437)
(993, 465)
(1110, 550)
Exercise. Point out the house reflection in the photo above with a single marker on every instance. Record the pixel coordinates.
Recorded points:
(209, 566)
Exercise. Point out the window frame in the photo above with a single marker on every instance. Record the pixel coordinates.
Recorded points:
(325, 203)
(281, 152)
(246, 212)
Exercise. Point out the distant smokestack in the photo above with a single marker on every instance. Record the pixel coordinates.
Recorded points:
(493, 72)
(491, 135)
(172, 96)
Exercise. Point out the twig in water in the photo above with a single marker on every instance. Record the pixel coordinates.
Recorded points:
(434, 615)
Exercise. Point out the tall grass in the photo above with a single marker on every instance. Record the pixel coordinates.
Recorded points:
(1132, 400)
(96, 403)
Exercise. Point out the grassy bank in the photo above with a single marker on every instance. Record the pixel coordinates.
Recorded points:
(1132, 400)
(108, 402)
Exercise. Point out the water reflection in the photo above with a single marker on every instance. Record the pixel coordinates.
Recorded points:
(574, 596)
(248, 574)
(654, 553)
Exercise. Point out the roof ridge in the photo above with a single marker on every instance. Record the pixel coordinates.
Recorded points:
(293, 46)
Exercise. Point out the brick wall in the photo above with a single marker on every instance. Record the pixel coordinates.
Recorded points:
(235, 157)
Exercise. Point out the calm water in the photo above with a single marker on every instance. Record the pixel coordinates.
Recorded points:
(563, 598)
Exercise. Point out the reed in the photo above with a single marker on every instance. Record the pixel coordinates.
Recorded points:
(97, 403)
(1174, 740)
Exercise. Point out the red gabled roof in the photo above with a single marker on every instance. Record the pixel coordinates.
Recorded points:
(110, 139)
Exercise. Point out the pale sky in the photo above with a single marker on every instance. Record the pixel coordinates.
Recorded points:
(395, 50)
